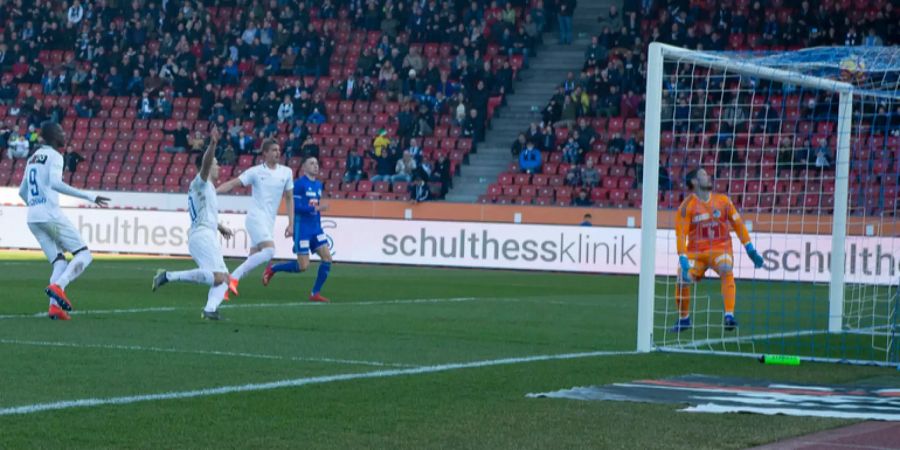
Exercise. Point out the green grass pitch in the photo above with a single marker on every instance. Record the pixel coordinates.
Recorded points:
(129, 342)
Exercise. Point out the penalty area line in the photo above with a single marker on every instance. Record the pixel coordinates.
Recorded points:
(201, 352)
(296, 382)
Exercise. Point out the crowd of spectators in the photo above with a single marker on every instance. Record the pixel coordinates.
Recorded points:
(257, 65)
(612, 80)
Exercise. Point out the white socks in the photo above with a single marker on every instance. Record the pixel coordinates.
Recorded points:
(74, 268)
(198, 276)
(59, 266)
(253, 261)
(215, 297)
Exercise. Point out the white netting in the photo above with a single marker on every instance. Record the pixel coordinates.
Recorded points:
(770, 141)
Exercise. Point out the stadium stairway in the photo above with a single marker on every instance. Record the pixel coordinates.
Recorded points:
(537, 85)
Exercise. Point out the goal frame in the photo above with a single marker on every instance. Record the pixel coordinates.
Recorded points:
(657, 55)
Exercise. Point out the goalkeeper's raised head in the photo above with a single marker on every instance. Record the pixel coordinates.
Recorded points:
(703, 225)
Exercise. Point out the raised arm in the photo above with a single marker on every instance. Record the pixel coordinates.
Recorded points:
(210, 154)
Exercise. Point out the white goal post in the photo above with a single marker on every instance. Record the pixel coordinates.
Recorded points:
(845, 92)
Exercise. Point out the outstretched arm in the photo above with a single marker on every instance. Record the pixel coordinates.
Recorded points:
(58, 185)
(226, 187)
(209, 155)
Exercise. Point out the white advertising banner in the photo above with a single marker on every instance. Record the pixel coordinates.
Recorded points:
(870, 260)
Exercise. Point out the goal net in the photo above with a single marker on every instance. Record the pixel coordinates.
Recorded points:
(806, 144)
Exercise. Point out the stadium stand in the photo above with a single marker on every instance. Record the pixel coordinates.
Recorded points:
(128, 79)
(608, 95)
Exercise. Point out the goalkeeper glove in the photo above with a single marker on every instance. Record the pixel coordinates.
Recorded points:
(685, 269)
(754, 255)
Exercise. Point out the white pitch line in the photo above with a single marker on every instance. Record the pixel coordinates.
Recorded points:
(752, 337)
(246, 305)
(296, 382)
(201, 352)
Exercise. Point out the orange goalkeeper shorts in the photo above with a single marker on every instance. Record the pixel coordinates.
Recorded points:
(702, 261)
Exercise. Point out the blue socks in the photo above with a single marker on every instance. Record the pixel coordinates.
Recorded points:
(293, 267)
(290, 266)
(324, 268)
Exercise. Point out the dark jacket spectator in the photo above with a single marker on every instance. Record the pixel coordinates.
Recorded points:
(354, 170)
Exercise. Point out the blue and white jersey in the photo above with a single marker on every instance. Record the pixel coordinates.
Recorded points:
(203, 205)
(307, 194)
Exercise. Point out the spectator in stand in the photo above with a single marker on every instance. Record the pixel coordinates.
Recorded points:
(571, 150)
(145, 106)
(474, 126)
(354, 170)
(243, 145)
(419, 191)
(384, 165)
(404, 168)
(135, 84)
(586, 134)
(665, 180)
(18, 147)
(564, 16)
(530, 159)
(633, 146)
(574, 175)
(616, 144)
(286, 110)
(381, 142)
(88, 107)
(293, 144)
(590, 176)
(582, 199)
(9, 92)
(518, 145)
(548, 140)
(415, 150)
(310, 147)
(197, 142)
(163, 108)
(181, 138)
(71, 159)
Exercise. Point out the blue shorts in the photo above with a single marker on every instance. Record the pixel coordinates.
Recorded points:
(306, 242)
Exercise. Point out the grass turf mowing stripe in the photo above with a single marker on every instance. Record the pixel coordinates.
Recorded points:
(202, 352)
(246, 305)
(86, 402)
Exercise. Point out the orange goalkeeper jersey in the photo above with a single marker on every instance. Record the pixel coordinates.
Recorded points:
(705, 226)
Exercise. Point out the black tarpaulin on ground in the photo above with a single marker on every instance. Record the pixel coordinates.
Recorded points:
(713, 394)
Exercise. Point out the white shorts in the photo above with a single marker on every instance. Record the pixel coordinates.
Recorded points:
(57, 236)
(260, 229)
(206, 250)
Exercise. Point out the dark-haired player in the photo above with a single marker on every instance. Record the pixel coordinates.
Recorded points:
(703, 225)
(40, 189)
(203, 243)
(308, 233)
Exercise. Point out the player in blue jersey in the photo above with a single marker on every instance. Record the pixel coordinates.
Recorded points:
(308, 233)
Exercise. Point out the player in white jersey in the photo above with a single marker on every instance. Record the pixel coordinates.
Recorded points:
(40, 191)
(203, 242)
(271, 183)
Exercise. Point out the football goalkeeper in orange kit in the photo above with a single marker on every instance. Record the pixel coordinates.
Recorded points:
(703, 225)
